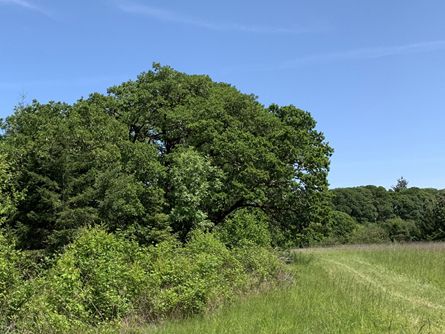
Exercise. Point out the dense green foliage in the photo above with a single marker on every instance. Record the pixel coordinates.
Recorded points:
(402, 214)
(166, 153)
(161, 198)
(8, 194)
(101, 277)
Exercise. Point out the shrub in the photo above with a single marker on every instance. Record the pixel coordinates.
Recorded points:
(312, 235)
(261, 264)
(401, 230)
(10, 276)
(244, 228)
(341, 226)
(192, 278)
(369, 233)
(101, 278)
(94, 280)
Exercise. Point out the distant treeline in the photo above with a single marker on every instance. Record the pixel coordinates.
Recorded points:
(372, 214)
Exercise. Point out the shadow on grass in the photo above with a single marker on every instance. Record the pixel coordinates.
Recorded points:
(298, 258)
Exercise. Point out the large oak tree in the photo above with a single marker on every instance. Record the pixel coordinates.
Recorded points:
(167, 152)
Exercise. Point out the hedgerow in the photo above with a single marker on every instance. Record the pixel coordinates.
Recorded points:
(102, 278)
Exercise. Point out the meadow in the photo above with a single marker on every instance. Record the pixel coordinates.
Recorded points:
(396, 288)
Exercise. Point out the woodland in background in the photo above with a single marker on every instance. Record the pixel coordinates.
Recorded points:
(372, 214)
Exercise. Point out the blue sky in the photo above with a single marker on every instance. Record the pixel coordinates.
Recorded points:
(372, 73)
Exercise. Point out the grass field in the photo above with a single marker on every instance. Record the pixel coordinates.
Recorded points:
(352, 289)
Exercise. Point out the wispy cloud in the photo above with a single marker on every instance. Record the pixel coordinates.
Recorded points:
(374, 53)
(26, 5)
(352, 55)
(169, 16)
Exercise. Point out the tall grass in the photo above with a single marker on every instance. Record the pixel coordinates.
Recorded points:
(366, 289)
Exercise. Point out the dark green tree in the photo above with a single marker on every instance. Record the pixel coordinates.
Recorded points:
(8, 194)
(165, 151)
(402, 184)
(358, 202)
(272, 159)
(341, 226)
(434, 225)
(78, 168)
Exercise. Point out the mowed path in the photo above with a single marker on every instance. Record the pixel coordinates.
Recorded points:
(414, 289)
(395, 285)
(368, 289)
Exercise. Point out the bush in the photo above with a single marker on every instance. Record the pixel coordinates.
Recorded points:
(401, 230)
(341, 227)
(313, 235)
(244, 228)
(95, 280)
(101, 278)
(369, 234)
(10, 276)
(261, 264)
(189, 279)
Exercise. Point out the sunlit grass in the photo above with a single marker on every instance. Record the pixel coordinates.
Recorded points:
(366, 289)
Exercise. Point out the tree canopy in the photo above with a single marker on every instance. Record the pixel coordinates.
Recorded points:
(415, 213)
(165, 153)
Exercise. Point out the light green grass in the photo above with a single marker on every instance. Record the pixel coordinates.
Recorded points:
(364, 289)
